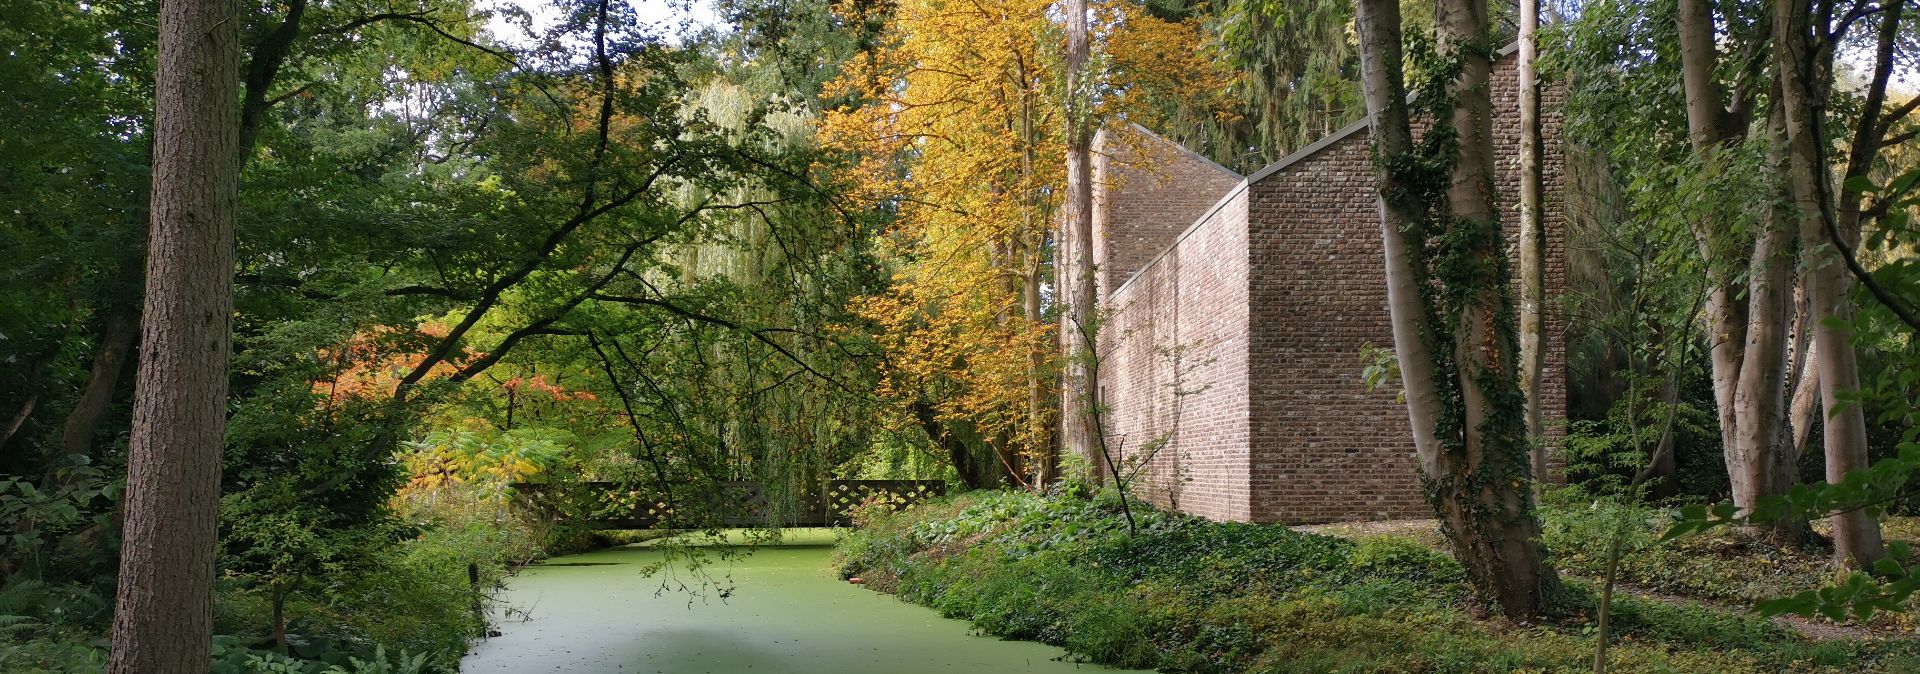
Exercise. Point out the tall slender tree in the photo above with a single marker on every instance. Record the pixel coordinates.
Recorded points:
(1746, 309)
(1803, 69)
(1533, 253)
(1077, 275)
(1449, 300)
(163, 619)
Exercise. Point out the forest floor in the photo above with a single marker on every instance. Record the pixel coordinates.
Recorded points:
(1813, 567)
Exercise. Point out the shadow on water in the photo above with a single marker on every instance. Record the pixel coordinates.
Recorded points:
(554, 564)
(595, 613)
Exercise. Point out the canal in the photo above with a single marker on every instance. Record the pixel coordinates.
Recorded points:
(787, 613)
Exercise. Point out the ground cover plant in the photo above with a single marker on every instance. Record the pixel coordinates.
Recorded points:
(1189, 595)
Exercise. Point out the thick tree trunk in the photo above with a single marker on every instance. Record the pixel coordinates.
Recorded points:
(1857, 538)
(1473, 461)
(1079, 395)
(1533, 257)
(163, 618)
(1698, 60)
(1760, 440)
(1500, 520)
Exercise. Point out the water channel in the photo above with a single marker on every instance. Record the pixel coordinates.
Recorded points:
(787, 613)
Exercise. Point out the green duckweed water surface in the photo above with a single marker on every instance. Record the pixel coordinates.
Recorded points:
(595, 613)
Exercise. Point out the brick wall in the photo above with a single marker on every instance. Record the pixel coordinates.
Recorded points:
(1149, 190)
(1283, 428)
(1183, 322)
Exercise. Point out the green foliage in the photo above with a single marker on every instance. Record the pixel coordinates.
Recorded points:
(1605, 455)
(231, 657)
(1194, 596)
(76, 497)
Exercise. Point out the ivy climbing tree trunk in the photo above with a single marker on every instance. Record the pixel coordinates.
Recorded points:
(1533, 252)
(1078, 323)
(163, 617)
(1454, 335)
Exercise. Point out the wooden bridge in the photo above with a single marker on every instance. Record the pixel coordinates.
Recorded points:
(613, 505)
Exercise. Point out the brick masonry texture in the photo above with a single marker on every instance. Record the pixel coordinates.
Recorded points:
(1253, 300)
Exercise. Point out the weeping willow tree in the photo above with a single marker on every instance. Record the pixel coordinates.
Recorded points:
(725, 356)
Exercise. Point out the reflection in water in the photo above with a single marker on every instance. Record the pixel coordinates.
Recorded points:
(787, 613)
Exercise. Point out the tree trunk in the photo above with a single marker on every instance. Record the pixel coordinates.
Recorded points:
(117, 337)
(1698, 61)
(1663, 465)
(1079, 395)
(1761, 441)
(19, 418)
(1748, 341)
(1039, 457)
(1803, 380)
(1472, 451)
(1533, 257)
(1378, 25)
(959, 453)
(280, 620)
(1856, 536)
(163, 618)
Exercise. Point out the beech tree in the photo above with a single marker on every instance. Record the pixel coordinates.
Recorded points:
(163, 617)
(1449, 298)
(1828, 227)
(1533, 252)
(1748, 289)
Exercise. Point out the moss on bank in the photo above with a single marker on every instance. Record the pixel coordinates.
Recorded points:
(1195, 596)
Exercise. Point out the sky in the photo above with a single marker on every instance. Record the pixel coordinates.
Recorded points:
(666, 14)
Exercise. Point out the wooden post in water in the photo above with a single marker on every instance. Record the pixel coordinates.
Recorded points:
(479, 609)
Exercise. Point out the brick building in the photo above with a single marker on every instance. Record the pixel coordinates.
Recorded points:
(1241, 306)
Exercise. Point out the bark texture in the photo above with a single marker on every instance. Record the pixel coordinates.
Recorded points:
(163, 618)
(1461, 378)
(1747, 322)
(1802, 71)
(1079, 397)
(1533, 254)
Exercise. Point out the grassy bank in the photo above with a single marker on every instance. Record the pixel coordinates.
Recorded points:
(1195, 596)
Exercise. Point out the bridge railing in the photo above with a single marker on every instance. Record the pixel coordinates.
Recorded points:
(614, 505)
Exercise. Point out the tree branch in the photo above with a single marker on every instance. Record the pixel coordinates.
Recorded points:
(759, 334)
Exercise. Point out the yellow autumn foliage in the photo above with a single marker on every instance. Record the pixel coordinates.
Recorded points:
(960, 134)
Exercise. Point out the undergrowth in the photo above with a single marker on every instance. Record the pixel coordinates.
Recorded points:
(1188, 595)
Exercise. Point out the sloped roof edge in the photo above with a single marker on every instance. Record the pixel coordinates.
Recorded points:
(1197, 222)
(1342, 134)
(1283, 164)
(1182, 149)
